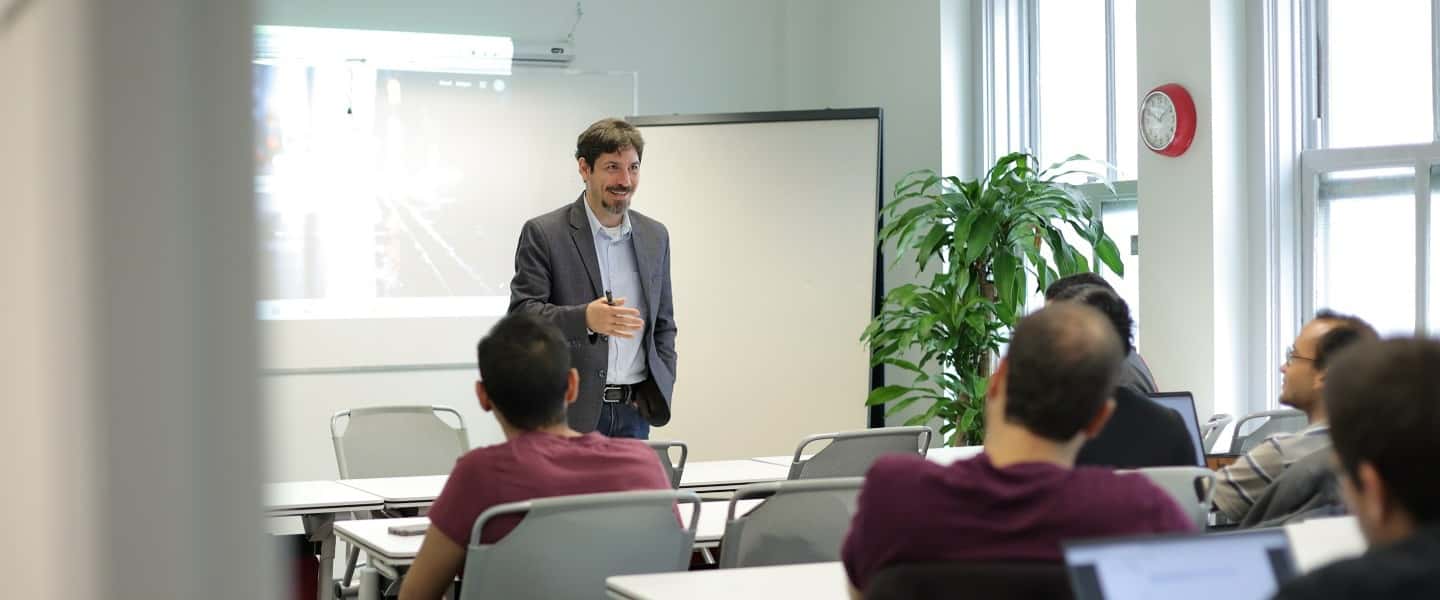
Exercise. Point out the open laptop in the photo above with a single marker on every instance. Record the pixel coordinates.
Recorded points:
(1246, 565)
(1184, 403)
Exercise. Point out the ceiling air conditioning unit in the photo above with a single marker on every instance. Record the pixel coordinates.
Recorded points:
(544, 54)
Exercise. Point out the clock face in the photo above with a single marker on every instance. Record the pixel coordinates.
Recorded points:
(1157, 120)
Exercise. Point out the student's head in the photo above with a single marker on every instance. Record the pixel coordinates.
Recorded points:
(1109, 303)
(1057, 379)
(1384, 403)
(1307, 360)
(1064, 284)
(608, 155)
(525, 373)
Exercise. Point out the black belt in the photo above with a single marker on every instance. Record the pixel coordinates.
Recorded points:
(613, 394)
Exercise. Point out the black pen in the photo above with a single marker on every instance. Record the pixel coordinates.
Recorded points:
(608, 299)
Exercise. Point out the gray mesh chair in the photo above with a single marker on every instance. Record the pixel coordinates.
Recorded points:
(1255, 427)
(673, 469)
(851, 452)
(1211, 430)
(1193, 488)
(395, 441)
(799, 522)
(566, 546)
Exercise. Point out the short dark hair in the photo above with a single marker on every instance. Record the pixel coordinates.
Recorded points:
(1347, 331)
(1063, 362)
(1110, 304)
(1061, 285)
(525, 368)
(605, 136)
(1384, 403)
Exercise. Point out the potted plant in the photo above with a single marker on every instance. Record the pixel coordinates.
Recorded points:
(991, 238)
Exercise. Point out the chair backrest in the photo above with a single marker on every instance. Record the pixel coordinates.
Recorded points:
(981, 580)
(1193, 488)
(851, 452)
(1212, 429)
(566, 546)
(673, 469)
(799, 522)
(397, 441)
(1255, 427)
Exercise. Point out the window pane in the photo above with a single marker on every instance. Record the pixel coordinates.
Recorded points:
(1365, 247)
(1378, 73)
(1127, 101)
(1122, 224)
(1071, 64)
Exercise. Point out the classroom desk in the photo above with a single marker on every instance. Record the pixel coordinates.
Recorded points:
(316, 503)
(816, 580)
(728, 475)
(402, 492)
(391, 555)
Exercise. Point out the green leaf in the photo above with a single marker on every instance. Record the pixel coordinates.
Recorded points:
(885, 394)
(1109, 254)
(981, 234)
(901, 405)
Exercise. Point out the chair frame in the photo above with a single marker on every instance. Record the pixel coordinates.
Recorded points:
(662, 448)
(1236, 441)
(798, 462)
(735, 526)
(337, 436)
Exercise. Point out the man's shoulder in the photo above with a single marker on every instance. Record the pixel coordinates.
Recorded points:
(555, 218)
(640, 220)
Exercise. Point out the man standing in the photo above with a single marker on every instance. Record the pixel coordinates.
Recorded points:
(601, 273)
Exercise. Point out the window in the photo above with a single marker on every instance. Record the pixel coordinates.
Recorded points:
(1062, 81)
(1369, 161)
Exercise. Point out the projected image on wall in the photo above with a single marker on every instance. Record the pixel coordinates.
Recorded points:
(393, 193)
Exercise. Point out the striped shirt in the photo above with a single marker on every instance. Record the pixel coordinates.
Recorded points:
(1242, 483)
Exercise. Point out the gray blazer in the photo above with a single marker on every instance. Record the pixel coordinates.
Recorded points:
(557, 274)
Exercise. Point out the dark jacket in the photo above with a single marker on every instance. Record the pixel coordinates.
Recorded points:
(1406, 569)
(1140, 433)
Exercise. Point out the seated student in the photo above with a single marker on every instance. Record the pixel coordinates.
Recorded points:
(1140, 433)
(1018, 499)
(1135, 375)
(1245, 480)
(1384, 403)
(526, 379)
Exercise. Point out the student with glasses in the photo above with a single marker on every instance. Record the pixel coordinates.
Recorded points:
(1243, 482)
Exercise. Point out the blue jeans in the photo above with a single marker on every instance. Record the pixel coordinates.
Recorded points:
(622, 420)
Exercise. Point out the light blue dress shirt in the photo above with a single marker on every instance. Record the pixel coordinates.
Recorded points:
(621, 275)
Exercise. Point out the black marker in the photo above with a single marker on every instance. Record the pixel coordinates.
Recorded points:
(608, 299)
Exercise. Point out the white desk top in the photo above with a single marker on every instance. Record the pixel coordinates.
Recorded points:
(1319, 542)
(782, 460)
(730, 473)
(373, 535)
(422, 489)
(816, 580)
(313, 497)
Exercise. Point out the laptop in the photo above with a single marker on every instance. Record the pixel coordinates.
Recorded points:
(1245, 565)
(1184, 403)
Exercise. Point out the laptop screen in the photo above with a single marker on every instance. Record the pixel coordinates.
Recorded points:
(1184, 403)
(1246, 565)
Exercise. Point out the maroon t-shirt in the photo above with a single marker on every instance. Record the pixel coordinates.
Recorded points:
(538, 465)
(913, 510)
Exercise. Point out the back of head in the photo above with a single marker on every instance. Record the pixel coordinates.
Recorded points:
(606, 136)
(1062, 285)
(1109, 303)
(525, 368)
(1384, 404)
(1063, 362)
(1345, 331)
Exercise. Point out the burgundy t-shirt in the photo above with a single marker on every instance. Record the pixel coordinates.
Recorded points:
(538, 465)
(913, 510)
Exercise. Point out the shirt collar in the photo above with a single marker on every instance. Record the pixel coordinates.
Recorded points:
(599, 229)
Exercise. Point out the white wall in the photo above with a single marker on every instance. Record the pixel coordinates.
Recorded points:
(691, 57)
(1194, 284)
(129, 386)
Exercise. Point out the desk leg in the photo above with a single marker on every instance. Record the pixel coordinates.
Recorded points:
(320, 529)
(369, 584)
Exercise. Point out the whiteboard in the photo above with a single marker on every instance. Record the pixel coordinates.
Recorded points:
(772, 220)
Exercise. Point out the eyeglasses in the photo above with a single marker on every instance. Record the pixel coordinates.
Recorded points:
(1291, 356)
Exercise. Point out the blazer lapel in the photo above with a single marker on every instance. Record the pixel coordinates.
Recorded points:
(585, 244)
(647, 260)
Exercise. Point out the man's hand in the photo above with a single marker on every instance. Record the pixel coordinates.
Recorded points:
(616, 320)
